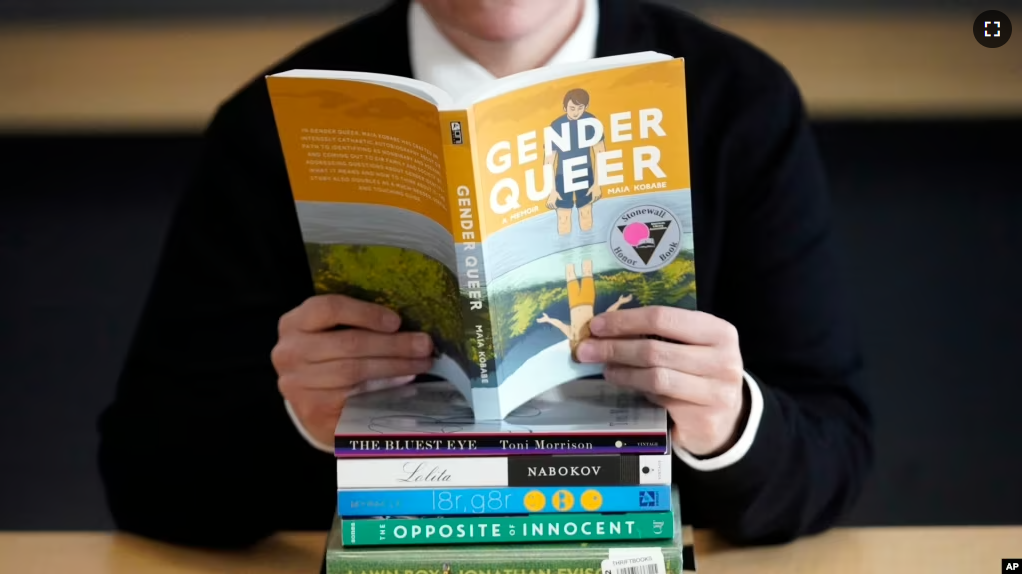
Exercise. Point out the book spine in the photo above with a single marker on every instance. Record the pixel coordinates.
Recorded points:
(502, 500)
(465, 226)
(596, 470)
(507, 529)
(507, 444)
(583, 562)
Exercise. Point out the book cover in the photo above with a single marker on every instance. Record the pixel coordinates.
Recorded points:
(432, 419)
(500, 223)
(677, 555)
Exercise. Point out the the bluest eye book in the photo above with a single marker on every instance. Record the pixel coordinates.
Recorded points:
(433, 419)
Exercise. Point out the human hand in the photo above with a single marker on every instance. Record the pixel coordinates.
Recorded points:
(623, 299)
(698, 380)
(318, 368)
(553, 198)
(544, 319)
(594, 192)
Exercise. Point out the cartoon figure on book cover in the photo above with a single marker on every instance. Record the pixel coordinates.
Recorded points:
(575, 186)
(582, 294)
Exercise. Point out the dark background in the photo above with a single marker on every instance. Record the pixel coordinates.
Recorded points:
(926, 209)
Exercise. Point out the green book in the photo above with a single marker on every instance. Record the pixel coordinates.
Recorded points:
(665, 556)
(390, 531)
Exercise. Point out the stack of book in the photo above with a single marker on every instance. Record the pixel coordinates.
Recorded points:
(500, 221)
(578, 477)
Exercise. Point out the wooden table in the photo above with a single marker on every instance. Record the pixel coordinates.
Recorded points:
(964, 550)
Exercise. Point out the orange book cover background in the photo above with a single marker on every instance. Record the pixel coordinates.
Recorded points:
(509, 130)
(355, 142)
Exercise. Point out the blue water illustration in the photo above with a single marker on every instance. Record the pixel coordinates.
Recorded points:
(552, 268)
(515, 247)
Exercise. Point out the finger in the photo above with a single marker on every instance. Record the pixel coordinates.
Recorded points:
(357, 343)
(345, 374)
(682, 325)
(692, 359)
(324, 312)
(666, 383)
(303, 348)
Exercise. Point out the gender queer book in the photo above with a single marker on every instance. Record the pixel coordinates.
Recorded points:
(669, 556)
(500, 221)
(432, 419)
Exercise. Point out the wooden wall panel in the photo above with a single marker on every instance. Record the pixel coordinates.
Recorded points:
(152, 77)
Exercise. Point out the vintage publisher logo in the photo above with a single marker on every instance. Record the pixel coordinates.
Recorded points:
(645, 238)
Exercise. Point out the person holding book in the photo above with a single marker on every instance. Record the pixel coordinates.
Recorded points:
(582, 295)
(237, 373)
(562, 199)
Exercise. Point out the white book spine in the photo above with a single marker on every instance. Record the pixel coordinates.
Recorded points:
(455, 472)
(421, 472)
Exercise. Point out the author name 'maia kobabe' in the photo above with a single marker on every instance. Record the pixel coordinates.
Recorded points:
(464, 444)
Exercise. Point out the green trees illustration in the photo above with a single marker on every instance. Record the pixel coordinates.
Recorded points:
(426, 294)
(422, 290)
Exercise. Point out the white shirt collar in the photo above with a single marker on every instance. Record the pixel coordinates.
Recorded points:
(437, 61)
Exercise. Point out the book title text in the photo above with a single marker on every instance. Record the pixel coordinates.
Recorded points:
(577, 171)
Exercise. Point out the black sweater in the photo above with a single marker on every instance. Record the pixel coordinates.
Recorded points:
(197, 447)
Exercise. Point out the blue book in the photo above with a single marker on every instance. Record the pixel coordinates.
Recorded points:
(503, 501)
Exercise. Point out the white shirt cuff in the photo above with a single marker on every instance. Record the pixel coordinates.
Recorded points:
(305, 434)
(741, 446)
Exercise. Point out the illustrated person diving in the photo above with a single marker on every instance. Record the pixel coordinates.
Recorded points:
(582, 295)
(575, 185)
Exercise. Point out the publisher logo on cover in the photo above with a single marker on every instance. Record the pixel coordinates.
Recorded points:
(645, 238)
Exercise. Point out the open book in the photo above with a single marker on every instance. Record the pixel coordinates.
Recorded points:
(502, 220)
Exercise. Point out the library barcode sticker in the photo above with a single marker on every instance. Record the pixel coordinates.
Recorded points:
(634, 561)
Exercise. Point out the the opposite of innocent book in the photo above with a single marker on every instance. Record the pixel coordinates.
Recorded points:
(674, 555)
